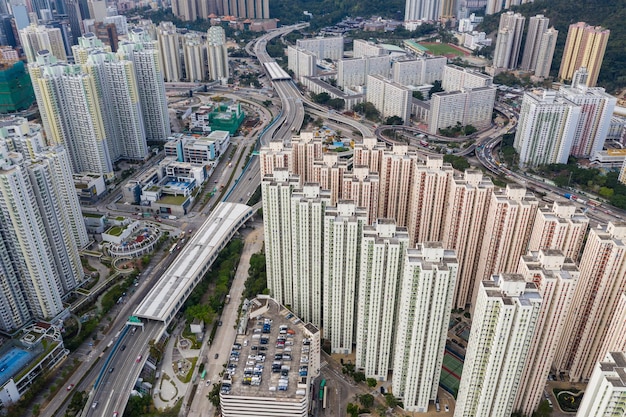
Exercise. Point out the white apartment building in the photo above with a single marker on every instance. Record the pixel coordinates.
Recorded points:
(323, 48)
(507, 308)
(307, 230)
(555, 277)
(88, 44)
(545, 53)
(457, 78)
(42, 229)
(35, 38)
(598, 294)
(428, 199)
(169, 49)
(560, 227)
(547, 128)
(363, 48)
(423, 10)
(276, 190)
(537, 26)
(302, 62)
(144, 53)
(509, 223)
(468, 106)
(353, 72)
(217, 54)
(391, 99)
(420, 71)
(596, 110)
(426, 295)
(195, 55)
(615, 340)
(464, 227)
(397, 170)
(71, 112)
(362, 186)
(329, 173)
(121, 25)
(605, 395)
(380, 272)
(509, 40)
(343, 230)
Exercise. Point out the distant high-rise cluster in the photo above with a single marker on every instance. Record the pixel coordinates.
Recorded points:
(42, 226)
(429, 10)
(104, 107)
(377, 256)
(191, 10)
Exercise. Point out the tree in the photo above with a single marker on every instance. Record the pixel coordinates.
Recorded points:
(359, 377)
(391, 400)
(336, 103)
(352, 409)
(368, 110)
(435, 88)
(201, 312)
(544, 410)
(321, 98)
(366, 400)
(371, 382)
(394, 120)
(418, 95)
(458, 162)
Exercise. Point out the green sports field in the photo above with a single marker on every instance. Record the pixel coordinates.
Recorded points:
(442, 49)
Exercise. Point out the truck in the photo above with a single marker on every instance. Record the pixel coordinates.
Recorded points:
(424, 143)
(172, 217)
(570, 196)
(227, 300)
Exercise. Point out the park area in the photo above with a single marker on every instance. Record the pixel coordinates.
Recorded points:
(444, 49)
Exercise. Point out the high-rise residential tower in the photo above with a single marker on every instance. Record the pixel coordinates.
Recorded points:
(396, 175)
(598, 293)
(426, 295)
(605, 394)
(37, 38)
(555, 277)
(559, 227)
(381, 267)
(545, 53)
(464, 227)
(547, 128)
(169, 48)
(427, 10)
(537, 26)
(343, 229)
(194, 52)
(144, 53)
(217, 54)
(70, 107)
(585, 47)
(508, 40)
(507, 309)
(363, 187)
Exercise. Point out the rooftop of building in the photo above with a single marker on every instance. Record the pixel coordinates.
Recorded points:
(275, 349)
(617, 366)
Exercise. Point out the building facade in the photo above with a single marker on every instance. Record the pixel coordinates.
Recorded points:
(584, 47)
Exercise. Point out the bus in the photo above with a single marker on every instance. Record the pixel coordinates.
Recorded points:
(325, 397)
(322, 389)
(203, 375)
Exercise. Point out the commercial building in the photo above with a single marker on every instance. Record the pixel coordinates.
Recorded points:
(35, 38)
(547, 128)
(601, 285)
(323, 48)
(195, 55)
(606, 392)
(284, 388)
(509, 221)
(380, 272)
(469, 106)
(71, 110)
(596, 110)
(302, 62)
(169, 52)
(584, 47)
(144, 53)
(508, 40)
(426, 295)
(465, 225)
(217, 54)
(343, 231)
(390, 98)
(507, 308)
(559, 227)
(420, 71)
(555, 277)
(537, 26)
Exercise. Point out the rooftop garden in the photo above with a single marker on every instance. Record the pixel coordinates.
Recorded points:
(115, 230)
(175, 200)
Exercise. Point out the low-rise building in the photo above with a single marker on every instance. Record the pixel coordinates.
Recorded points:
(90, 187)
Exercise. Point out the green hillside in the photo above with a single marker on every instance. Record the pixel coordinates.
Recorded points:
(610, 14)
